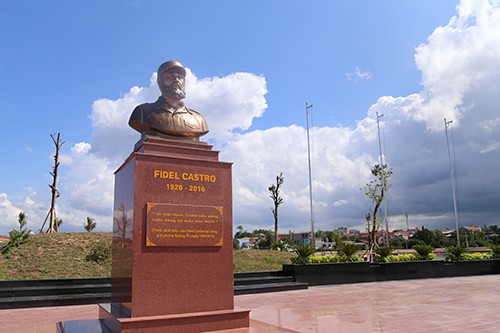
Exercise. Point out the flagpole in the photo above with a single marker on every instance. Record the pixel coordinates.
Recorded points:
(313, 242)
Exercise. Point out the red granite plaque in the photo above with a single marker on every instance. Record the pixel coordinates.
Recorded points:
(183, 225)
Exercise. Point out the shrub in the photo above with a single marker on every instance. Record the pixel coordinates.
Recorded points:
(348, 249)
(303, 253)
(351, 258)
(423, 252)
(408, 257)
(401, 257)
(476, 256)
(455, 253)
(280, 245)
(100, 252)
(383, 252)
(335, 258)
(16, 238)
(495, 251)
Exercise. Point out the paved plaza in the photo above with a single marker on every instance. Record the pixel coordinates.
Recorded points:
(462, 304)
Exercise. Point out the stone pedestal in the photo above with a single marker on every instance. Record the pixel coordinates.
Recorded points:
(172, 241)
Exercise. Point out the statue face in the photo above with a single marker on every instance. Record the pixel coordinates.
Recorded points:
(171, 84)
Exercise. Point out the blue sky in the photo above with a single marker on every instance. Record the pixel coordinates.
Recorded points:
(71, 67)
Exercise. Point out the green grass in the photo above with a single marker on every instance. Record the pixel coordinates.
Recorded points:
(63, 255)
(55, 256)
(260, 260)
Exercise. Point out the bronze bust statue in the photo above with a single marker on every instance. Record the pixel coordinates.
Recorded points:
(169, 117)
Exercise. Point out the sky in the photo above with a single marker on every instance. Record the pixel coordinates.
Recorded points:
(78, 68)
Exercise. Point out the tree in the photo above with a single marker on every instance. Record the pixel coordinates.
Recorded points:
(375, 190)
(17, 238)
(397, 243)
(90, 224)
(51, 215)
(236, 244)
(274, 193)
(22, 220)
(241, 232)
(57, 224)
(54, 222)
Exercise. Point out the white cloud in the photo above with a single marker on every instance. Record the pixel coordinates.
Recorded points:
(359, 75)
(456, 59)
(8, 213)
(460, 66)
(10, 209)
(339, 171)
(229, 103)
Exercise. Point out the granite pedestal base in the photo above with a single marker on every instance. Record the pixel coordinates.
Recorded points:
(172, 242)
(207, 321)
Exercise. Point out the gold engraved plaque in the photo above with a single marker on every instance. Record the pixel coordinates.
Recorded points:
(170, 225)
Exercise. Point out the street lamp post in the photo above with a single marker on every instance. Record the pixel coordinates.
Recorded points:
(453, 180)
(407, 229)
(383, 177)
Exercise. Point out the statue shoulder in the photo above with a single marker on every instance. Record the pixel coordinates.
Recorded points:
(195, 112)
(144, 107)
(139, 118)
(203, 126)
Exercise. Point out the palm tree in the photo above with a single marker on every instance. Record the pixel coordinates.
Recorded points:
(58, 223)
(90, 224)
(22, 220)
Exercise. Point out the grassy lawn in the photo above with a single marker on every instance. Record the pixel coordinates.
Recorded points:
(260, 260)
(63, 255)
(54, 256)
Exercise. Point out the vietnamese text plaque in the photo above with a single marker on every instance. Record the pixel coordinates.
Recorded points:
(170, 225)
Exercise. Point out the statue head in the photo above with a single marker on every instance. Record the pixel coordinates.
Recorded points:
(170, 79)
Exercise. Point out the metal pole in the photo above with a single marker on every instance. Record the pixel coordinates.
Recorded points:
(407, 229)
(452, 172)
(383, 177)
(313, 243)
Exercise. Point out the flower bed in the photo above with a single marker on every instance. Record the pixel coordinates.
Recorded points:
(355, 272)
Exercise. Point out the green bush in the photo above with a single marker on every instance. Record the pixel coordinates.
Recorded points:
(455, 253)
(16, 238)
(335, 258)
(100, 252)
(424, 252)
(476, 256)
(303, 253)
(280, 245)
(401, 257)
(348, 249)
(384, 251)
(409, 257)
(495, 251)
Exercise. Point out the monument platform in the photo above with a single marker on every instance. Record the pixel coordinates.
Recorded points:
(462, 304)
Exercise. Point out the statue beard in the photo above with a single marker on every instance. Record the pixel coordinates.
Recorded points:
(174, 91)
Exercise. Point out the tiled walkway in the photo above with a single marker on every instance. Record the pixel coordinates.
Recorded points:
(43, 320)
(466, 304)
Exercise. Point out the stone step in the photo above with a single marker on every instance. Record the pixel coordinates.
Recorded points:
(262, 280)
(42, 290)
(269, 287)
(53, 300)
(40, 293)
